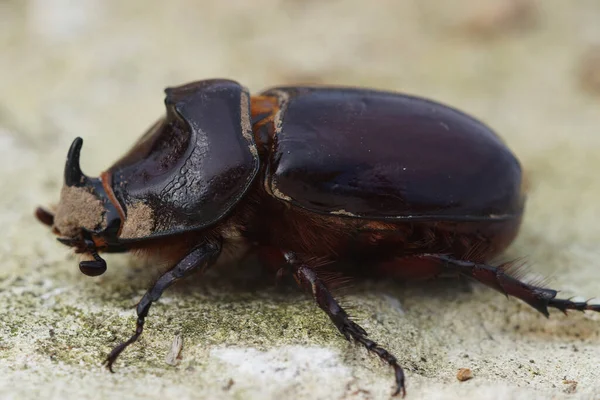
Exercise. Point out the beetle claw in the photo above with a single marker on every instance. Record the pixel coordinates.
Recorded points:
(108, 363)
(400, 389)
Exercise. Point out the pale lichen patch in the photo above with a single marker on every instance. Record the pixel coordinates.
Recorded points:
(78, 208)
(282, 363)
(139, 221)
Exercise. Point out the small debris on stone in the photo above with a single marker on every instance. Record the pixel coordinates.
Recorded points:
(229, 384)
(571, 386)
(464, 374)
(492, 18)
(589, 70)
(174, 355)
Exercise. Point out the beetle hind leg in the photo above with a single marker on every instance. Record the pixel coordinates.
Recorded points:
(497, 278)
(307, 278)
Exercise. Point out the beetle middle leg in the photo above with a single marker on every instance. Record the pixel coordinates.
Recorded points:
(495, 277)
(198, 259)
(308, 279)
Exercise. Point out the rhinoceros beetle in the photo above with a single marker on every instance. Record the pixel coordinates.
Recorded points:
(314, 180)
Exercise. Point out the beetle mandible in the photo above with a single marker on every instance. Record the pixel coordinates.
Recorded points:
(366, 182)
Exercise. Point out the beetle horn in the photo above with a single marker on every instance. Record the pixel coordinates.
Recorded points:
(73, 174)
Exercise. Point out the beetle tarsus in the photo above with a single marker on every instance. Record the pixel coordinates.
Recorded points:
(388, 358)
(567, 304)
(308, 278)
(114, 354)
(197, 260)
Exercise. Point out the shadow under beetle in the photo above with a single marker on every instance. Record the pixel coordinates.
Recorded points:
(312, 179)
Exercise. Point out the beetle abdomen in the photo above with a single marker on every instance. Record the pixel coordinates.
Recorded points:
(372, 154)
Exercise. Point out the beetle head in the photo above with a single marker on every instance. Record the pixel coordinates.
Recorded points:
(85, 217)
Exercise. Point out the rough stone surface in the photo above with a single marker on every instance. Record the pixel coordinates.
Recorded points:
(96, 69)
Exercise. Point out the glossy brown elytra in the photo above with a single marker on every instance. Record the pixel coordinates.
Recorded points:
(368, 183)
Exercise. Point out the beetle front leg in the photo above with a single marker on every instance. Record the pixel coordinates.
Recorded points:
(197, 260)
(308, 279)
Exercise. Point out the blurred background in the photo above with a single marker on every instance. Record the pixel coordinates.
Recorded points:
(97, 69)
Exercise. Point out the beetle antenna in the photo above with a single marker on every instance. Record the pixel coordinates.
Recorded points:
(73, 174)
(44, 216)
